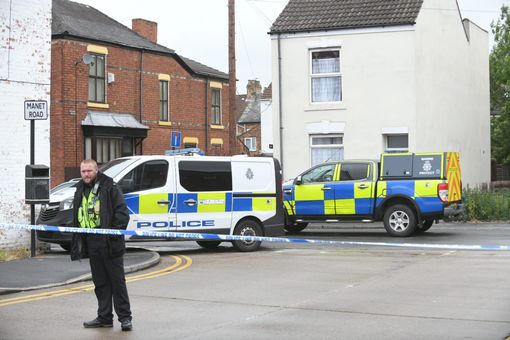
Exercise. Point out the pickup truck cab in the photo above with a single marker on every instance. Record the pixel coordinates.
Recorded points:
(407, 191)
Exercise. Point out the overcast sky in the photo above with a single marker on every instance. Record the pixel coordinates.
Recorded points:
(197, 29)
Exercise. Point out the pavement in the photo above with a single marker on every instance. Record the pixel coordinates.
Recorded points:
(56, 269)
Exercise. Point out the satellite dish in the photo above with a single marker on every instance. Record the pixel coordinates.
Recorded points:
(87, 59)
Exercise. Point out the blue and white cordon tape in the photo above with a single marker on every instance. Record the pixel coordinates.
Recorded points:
(219, 237)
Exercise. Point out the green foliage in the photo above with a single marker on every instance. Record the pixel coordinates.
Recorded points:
(486, 206)
(500, 87)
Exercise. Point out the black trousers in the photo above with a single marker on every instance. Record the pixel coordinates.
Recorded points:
(109, 280)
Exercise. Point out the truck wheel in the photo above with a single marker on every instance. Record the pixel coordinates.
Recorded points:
(247, 228)
(426, 224)
(209, 244)
(399, 220)
(296, 227)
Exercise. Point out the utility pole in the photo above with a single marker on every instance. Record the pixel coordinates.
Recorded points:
(232, 76)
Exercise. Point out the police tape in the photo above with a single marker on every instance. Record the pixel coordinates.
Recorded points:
(220, 237)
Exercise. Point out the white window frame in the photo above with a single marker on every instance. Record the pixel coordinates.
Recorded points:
(325, 146)
(251, 143)
(395, 150)
(324, 75)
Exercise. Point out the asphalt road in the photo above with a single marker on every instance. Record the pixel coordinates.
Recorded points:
(297, 291)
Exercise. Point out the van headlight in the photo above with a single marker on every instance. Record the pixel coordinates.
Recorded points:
(66, 204)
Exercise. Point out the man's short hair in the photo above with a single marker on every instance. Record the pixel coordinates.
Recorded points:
(90, 161)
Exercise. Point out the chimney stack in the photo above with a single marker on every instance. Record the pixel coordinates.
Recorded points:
(253, 88)
(145, 28)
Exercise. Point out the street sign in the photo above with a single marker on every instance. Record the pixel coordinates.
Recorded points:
(36, 110)
(175, 139)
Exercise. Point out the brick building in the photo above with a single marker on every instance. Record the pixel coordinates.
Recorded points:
(116, 92)
(252, 110)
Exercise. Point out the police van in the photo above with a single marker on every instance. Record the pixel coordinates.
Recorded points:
(235, 195)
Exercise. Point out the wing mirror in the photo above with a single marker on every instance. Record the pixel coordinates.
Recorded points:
(298, 180)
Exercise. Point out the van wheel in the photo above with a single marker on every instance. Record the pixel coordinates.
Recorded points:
(296, 227)
(209, 244)
(426, 225)
(400, 220)
(65, 246)
(247, 228)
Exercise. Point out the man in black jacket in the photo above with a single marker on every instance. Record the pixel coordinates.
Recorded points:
(99, 203)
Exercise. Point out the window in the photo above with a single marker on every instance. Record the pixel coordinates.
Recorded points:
(149, 175)
(104, 149)
(354, 171)
(327, 148)
(97, 79)
(322, 173)
(108, 149)
(216, 107)
(205, 176)
(251, 143)
(163, 101)
(397, 143)
(326, 80)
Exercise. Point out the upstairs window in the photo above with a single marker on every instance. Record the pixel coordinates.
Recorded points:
(97, 79)
(216, 107)
(163, 101)
(325, 77)
(251, 143)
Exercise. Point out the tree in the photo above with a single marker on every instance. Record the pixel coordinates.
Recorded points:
(500, 88)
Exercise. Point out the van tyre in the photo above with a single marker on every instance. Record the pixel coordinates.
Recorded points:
(400, 220)
(209, 244)
(247, 228)
(296, 227)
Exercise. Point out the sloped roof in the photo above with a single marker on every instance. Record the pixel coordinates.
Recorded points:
(73, 19)
(251, 113)
(320, 15)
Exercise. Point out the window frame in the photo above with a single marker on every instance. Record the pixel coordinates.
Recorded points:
(215, 107)
(313, 75)
(164, 102)
(95, 77)
(395, 150)
(325, 146)
(253, 143)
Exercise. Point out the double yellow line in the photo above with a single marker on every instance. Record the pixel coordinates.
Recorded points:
(181, 263)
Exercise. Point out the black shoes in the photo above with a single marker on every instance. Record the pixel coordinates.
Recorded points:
(126, 325)
(97, 324)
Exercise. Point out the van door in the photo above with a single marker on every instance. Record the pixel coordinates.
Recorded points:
(354, 189)
(204, 202)
(149, 191)
(314, 194)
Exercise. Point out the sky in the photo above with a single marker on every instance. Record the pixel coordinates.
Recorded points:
(198, 29)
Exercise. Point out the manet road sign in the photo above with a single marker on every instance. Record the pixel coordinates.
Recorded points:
(36, 110)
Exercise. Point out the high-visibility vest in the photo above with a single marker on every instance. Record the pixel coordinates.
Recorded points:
(88, 212)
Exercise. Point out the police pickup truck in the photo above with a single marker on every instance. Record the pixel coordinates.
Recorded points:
(407, 191)
(235, 195)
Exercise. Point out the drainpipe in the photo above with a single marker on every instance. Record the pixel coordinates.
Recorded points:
(206, 115)
(141, 97)
(280, 101)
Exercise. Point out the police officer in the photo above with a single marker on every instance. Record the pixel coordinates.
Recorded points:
(99, 203)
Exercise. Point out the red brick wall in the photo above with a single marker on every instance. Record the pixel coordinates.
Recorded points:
(69, 93)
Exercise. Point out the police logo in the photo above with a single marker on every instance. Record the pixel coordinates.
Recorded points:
(249, 174)
(427, 166)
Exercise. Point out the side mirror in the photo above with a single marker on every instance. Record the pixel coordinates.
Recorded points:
(298, 180)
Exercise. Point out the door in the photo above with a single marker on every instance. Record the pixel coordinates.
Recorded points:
(204, 202)
(313, 191)
(149, 191)
(354, 190)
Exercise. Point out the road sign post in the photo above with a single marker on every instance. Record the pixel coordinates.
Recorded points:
(34, 110)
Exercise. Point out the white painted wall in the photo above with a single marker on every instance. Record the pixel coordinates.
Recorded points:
(266, 126)
(25, 45)
(427, 79)
(452, 85)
